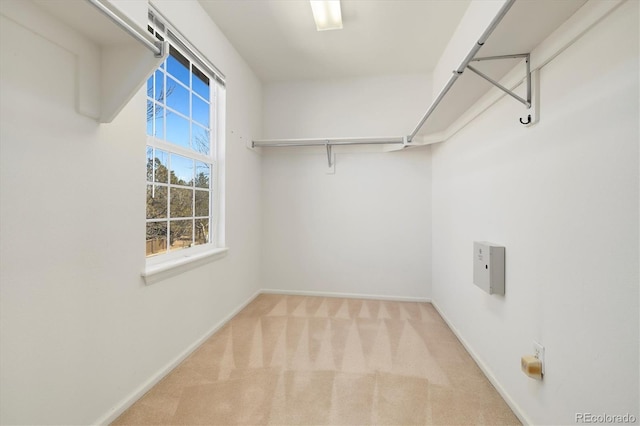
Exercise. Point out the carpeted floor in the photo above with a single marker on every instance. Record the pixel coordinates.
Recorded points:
(326, 361)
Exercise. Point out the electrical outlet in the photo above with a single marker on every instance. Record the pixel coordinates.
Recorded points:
(538, 352)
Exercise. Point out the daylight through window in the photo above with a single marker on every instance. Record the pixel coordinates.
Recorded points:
(181, 150)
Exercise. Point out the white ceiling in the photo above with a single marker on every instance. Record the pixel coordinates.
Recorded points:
(278, 38)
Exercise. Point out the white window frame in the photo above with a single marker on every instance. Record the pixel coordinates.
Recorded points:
(157, 266)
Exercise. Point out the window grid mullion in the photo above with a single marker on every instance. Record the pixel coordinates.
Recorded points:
(191, 106)
(201, 98)
(178, 113)
(174, 79)
(193, 201)
(179, 150)
(196, 156)
(168, 201)
(164, 104)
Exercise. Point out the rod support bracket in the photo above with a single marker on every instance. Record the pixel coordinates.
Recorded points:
(163, 48)
(527, 57)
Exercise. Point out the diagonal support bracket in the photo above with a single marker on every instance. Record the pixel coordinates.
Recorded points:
(331, 159)
(526, 102)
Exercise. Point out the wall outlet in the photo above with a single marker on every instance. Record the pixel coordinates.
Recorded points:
(538, 352)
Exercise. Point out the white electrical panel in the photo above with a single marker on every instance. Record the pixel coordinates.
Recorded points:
(488, 267)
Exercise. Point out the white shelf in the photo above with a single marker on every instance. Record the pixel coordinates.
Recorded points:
(543, 28)
(112, 64)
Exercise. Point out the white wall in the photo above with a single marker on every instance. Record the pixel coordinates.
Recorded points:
(365, 229)
(80, 331)
(372, 106)
(563, 198)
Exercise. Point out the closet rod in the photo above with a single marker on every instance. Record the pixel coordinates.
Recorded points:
(155, 47)
(458, 72)
(324, 142)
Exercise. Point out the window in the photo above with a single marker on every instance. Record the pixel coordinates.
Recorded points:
(183, 142)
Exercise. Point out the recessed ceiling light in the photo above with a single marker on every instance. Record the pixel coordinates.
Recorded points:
(327, 14)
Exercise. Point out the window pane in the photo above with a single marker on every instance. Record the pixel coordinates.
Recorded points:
(201, 83)
(177, 97)
(159, 122)
(202, 231)
(156, 202)
(149, 164)
(181, 234)
(181, 202)
(178, 66)
(202, 203)
(200, 110)
(200, 139)
(178, 191)
(156, 238)
(181, 170)
(161, 166)
(159, 92)
(203, 174)
(150, 87)
(177, 130)
(149, 118)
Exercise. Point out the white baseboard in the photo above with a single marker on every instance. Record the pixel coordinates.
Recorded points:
(127, 402)
(486, 370)
(346, 295)
(159, 375)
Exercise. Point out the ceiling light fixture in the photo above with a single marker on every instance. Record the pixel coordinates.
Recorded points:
(327, 14)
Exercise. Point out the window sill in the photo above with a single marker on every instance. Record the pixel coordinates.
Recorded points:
(173, 267)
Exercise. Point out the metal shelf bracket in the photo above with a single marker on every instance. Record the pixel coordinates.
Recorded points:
(526, 102)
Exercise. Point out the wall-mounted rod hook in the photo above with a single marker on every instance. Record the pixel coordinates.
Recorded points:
(526, 122)
(328, 146)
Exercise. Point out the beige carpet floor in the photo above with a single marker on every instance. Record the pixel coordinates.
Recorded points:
(326, 361)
